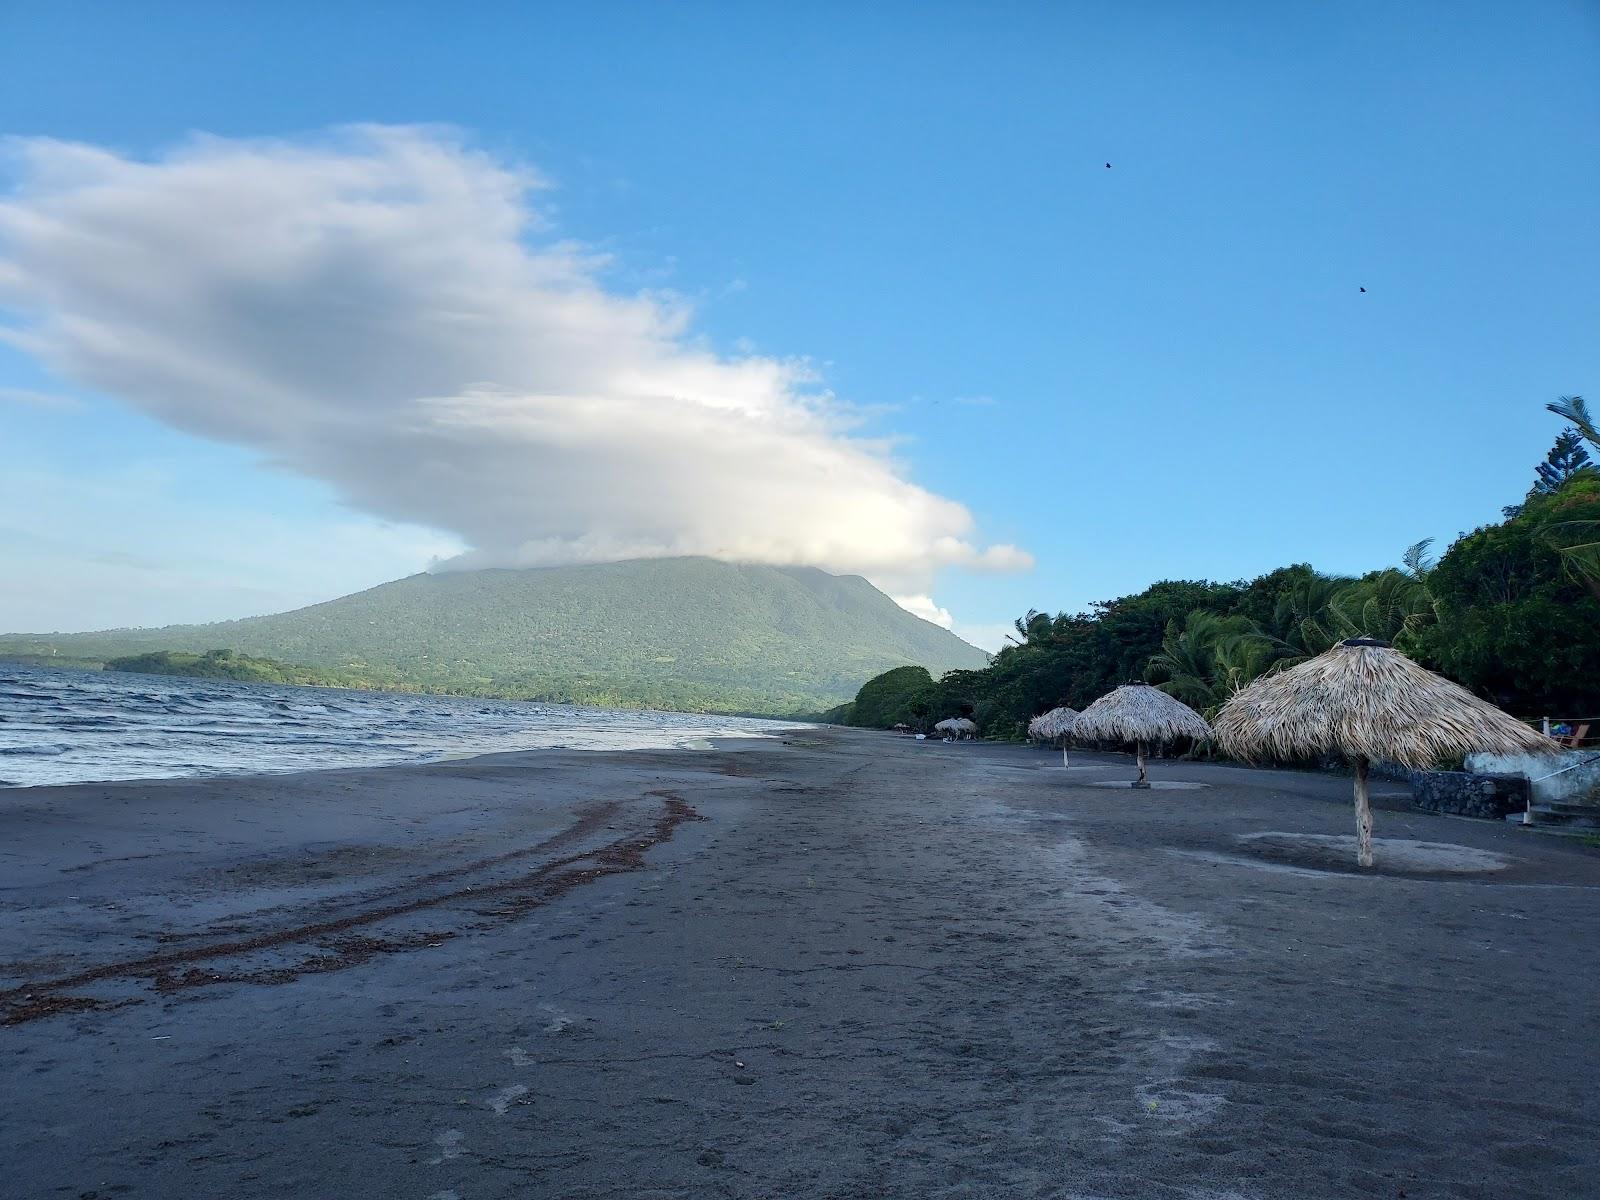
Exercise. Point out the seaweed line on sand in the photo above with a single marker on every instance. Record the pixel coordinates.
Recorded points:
(49, 997)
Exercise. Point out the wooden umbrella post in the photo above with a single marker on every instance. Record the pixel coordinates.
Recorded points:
(1142, 781)
(1363, 816)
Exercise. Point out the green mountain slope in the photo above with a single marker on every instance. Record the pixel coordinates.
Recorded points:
(690, 633)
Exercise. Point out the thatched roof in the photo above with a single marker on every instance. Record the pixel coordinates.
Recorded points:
(1366, 700)
(1137, 712)
(955, 725)
(1051, 725)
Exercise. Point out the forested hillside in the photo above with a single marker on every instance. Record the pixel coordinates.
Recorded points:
(222, 664)
(686, 633)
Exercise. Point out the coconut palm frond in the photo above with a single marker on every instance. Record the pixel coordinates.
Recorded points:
(1197, 692)
(1238, 661)
(1581, 558)
(1302, 619)
(1210, 658)
(1417, 560)
(1575, 410)
(1386, 606)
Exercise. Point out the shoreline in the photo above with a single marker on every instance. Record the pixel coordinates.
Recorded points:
(64, 729)
(727, 743)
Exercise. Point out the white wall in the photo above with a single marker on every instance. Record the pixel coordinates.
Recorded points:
(1578, 784)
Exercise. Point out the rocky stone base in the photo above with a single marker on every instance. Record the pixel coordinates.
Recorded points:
(1467, 794)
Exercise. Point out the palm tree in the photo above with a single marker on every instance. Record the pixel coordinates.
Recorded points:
(1418, 562)
(1575, 411)
(1240, 660)
(1387, 605)
(1211, 657)
(1578, 542)
(1034, 629)
(1302, 622)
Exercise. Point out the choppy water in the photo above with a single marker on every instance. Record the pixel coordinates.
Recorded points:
(81, 726)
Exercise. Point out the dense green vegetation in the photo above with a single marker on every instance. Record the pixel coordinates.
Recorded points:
(903, 696)
(690, 634)
(222, 664)
(1511, 610)
(1517, 619)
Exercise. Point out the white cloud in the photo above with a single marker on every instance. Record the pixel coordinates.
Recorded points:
(924, 607)
(383, 309)
(986, 637)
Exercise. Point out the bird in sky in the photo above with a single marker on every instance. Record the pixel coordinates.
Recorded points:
(1363, 289)
(1108, 166)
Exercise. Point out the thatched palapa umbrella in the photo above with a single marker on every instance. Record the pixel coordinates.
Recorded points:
(956, 727)
(1141, 714)
(1056, 723)
(1368, 702)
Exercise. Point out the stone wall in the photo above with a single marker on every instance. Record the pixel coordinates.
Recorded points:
(1468, 794)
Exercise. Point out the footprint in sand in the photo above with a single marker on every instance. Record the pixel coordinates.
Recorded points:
(504, 1098)
(449, 1143)
(560, 1020)
(1183, 1109)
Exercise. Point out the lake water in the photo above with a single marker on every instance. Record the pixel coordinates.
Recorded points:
(81, 726)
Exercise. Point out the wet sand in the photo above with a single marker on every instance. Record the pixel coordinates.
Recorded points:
(847, 966)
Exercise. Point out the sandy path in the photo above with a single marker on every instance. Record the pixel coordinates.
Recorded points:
(873, 969)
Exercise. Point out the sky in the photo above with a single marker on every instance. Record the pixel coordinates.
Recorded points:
(301, 298)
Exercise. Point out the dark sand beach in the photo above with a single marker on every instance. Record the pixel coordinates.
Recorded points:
(849, 965)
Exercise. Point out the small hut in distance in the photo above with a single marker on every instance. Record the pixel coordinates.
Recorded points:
(1142, 715)
(958, 728)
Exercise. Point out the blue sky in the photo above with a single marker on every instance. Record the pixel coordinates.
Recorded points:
(1165, 369)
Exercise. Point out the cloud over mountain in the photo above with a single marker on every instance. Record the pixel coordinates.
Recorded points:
(384, 309)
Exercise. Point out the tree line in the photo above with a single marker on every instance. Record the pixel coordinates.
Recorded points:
(1510, 610)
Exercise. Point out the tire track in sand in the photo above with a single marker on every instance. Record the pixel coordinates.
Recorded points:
(336, 942)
